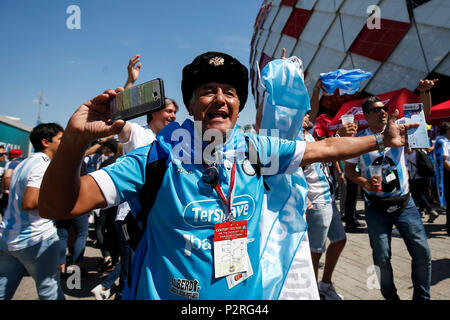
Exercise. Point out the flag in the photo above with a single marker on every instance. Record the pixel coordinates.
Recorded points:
(286, 264)
(347, 81)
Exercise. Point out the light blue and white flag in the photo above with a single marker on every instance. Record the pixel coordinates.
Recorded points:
(284, 246)
(347, 81)
(438, 153)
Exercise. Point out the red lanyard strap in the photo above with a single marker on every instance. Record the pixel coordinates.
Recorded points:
(228, 201)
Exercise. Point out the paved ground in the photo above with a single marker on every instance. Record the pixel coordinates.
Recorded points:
(353, 277)
(354, 274)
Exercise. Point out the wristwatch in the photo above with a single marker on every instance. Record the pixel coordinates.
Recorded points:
(380, 142)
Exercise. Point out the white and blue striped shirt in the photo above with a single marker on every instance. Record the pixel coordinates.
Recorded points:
(394, 170)
(20, 228)
(318, 185)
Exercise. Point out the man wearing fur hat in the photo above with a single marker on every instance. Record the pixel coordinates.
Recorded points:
(201, 238)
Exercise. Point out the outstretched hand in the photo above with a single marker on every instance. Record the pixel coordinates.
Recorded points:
(133, 69)
(92, 120)
(425, 85)
(395, 134)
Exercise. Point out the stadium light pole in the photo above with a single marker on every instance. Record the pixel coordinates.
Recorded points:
(41, 103)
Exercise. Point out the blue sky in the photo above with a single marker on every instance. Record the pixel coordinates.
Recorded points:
(40, 54)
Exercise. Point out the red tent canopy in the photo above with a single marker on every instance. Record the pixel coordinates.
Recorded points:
(439, 113)
(321, 125)
(393, 99)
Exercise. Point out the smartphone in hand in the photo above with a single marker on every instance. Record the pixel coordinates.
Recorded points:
(138, 100)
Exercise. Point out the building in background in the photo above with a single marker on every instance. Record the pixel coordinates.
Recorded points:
(15, 135)
(412, 43)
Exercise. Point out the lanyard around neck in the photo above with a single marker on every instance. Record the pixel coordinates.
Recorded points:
(227, 201)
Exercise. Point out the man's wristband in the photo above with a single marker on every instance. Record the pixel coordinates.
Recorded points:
(380, 142)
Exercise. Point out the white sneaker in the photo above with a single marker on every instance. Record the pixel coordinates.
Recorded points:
(101, 294)
(327, 292)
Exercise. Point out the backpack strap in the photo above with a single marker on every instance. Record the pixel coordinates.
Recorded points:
(154, 175)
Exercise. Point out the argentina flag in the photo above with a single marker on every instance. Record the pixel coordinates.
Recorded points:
(285, 254)
(438, 153)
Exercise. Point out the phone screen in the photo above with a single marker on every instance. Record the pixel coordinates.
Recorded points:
(138, 100)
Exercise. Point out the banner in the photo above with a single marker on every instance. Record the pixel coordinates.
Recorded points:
(438, 154)
(285, 255)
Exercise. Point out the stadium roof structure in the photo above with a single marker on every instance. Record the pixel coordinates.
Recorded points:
(412, 42)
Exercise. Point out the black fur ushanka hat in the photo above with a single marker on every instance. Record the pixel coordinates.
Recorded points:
(215, 67)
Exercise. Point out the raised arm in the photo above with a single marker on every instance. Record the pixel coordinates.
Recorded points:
(425, 95)
(333, 149)
(315, 100)
(63, 194)
(133, 71)
(259, 114)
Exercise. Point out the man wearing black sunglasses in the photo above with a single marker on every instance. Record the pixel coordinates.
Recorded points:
(390, 204)
(376, 114)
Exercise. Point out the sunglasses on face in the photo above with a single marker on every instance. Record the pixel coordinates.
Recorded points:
(378, 109)
(2, 154)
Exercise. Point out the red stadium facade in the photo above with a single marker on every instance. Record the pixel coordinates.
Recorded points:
(398, 41)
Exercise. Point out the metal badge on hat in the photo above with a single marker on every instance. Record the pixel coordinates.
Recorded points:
(217, 61)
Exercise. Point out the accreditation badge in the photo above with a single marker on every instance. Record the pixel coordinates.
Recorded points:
(230, 248)
(390, 177)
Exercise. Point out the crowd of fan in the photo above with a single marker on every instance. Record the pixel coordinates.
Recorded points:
(116, 252)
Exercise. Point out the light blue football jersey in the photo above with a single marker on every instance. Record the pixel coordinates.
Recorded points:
(174, 260)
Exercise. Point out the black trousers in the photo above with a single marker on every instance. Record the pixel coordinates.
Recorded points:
(420, 193)
(106, 233)
(350, 202)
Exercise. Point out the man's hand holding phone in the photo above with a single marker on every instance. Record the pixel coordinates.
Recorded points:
(92, 120)
(138, 100)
